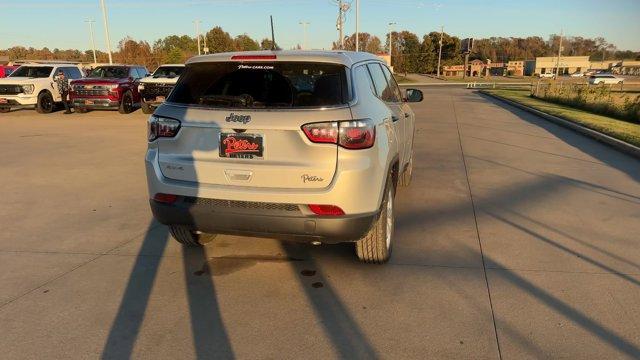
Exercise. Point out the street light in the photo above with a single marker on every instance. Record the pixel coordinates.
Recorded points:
(357, 25)
(106, 29)
(304, 34)
(197, 22)
(93, 43)
(390, 43)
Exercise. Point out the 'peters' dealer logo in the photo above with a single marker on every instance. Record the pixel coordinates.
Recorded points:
(238, 118)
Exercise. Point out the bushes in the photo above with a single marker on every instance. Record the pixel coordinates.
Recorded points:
(595, 99)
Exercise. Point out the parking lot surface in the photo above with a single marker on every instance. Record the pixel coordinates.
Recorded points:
(517, 239)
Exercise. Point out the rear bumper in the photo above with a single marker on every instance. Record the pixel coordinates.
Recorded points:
(209, 218)
(97, 103)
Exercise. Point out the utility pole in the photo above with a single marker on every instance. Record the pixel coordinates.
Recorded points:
(440, 51)
(105, 18)
(342, 9)
(391, 43)
(304, 34)
(340, 24)
(93, 43)
(357, 25)
(559, 54)
(197, 22)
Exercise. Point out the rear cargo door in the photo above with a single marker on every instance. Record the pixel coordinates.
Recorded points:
(242, 127)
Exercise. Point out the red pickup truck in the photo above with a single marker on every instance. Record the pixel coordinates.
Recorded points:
(6, 70)
(108, 87)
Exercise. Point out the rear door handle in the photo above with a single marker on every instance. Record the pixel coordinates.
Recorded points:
(406, 115)
(394, 118)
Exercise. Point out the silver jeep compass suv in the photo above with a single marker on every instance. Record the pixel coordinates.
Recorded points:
(294, 145)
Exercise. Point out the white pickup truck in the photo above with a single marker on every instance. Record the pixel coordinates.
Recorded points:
(33, 85)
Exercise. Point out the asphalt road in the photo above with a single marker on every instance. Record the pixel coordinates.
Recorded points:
(517, 239)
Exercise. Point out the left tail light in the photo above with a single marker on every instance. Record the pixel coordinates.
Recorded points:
(159, 127)
(353, 134)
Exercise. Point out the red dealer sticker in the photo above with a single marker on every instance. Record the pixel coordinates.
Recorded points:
(243, 146)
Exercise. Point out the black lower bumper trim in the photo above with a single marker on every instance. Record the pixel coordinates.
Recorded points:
(204, 218)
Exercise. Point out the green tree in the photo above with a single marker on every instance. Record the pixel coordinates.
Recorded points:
(367, 42)
(245, 43)
(174, 56)
(219, 40)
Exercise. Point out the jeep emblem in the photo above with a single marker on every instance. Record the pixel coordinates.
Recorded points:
(238, 118)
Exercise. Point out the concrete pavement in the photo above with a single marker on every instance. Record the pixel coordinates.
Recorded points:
(517, 239)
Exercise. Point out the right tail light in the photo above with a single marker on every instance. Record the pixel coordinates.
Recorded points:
(158, 127)
(351, 134)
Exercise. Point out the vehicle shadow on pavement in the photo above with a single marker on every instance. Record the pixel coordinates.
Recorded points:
(620, 161)
(582, 320)
(210, 336)
(346, 336)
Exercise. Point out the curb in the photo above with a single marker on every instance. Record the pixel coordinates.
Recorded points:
(603, 138)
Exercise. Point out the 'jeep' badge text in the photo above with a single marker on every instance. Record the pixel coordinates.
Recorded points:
(238, 118)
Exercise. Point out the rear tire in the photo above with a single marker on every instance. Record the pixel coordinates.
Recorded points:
(5, 109)
(81, 110)
(375, 246)
(146, 108)
(188, 237)
(126, 104)
(45, 104)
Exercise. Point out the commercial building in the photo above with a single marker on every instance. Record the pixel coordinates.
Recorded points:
(453, 70)
(566, 65)
(515, 68)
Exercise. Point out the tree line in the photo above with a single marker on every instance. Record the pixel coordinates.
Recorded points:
(410, 53)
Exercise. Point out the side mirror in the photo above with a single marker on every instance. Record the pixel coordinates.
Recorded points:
(414, 95)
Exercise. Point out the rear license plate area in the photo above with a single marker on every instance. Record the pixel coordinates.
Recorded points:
(241, 146)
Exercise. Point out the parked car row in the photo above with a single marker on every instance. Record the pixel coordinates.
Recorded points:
(594, 78)
(113, 87)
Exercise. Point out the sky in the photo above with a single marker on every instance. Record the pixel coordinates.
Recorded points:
(61, 23)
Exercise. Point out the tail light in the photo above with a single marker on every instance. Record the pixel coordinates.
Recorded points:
(165, 198)
(326, 210)
(158, 127)
(355, 134)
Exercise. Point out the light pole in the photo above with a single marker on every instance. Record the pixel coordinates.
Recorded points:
(304, 34)
(93, 43)
(559, 53)
(391, 44)
(440, 51)
(357, 25)
(197, 22)
(105, 18)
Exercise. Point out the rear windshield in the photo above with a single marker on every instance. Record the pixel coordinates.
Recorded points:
(119, 72)
(168, 71)
(262, 85)
(33, 71)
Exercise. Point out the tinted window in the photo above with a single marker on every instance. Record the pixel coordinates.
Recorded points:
(119, 72)
(33, 71)
(397, 94)
(72, 72)
(168, 71)
(383, 90)
(142, 72)
(262, 85)
(363, 79)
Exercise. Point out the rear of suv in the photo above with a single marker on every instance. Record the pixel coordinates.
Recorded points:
(293, 145)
